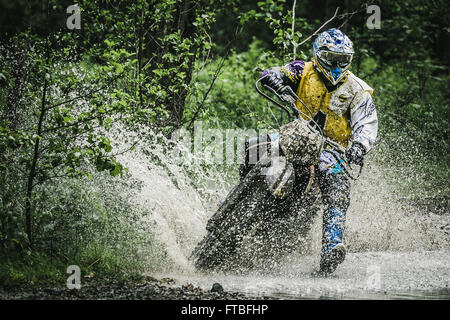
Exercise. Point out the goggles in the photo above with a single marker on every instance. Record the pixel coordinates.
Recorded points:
(332, 58)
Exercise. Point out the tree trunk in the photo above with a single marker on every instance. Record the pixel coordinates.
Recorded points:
(185, 19)
(33, 167)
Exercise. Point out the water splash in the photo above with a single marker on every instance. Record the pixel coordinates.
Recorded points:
(180, 193)
(381, 228)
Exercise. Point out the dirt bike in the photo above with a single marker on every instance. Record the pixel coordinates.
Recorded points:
(271, 210)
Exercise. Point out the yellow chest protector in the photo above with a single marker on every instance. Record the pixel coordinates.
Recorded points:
(330, 110)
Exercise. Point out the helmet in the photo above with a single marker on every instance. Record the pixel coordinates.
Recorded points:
(333, 53)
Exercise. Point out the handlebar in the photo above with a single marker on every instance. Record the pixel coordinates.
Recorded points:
(293, 113)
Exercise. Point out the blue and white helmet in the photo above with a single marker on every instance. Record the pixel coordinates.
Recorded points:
(333, 53)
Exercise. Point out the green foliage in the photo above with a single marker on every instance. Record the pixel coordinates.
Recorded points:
(276, 15)
(30, 269)
(88, 222)
(233, 102)
(413, 134)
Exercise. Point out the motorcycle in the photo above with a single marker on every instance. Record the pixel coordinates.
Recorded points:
(269, 213)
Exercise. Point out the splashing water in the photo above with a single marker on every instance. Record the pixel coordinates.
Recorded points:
(394, 249)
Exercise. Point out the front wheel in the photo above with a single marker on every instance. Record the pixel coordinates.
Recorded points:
(243, 208)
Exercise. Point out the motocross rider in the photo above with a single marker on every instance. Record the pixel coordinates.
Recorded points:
(341, 104)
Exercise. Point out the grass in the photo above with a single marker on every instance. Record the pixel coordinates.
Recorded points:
(30, 269)
(24, 268)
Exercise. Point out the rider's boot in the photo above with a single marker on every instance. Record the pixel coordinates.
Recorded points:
(333, 249)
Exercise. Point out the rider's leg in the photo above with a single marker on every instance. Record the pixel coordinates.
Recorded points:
(335, 188)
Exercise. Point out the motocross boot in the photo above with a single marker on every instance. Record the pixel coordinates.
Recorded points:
(333, 249)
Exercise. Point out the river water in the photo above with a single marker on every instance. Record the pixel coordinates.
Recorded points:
(368, 275)
(395, 251)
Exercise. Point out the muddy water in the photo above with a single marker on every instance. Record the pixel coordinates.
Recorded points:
(395, 251)
(368, 275)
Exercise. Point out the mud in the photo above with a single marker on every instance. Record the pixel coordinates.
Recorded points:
(106, 289)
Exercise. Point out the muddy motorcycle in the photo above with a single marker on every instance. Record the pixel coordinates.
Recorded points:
(270, 211)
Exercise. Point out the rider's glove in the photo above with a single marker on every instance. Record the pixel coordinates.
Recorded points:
(274, 79)
(355, 154)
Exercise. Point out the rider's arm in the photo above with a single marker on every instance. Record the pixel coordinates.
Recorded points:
(364, 121)
(289, 74)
